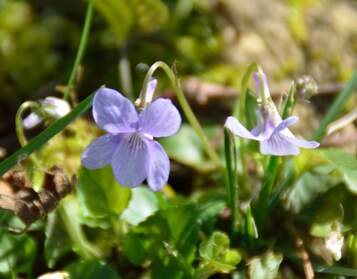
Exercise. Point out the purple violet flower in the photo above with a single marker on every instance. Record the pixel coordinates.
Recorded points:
(129, 144)
(50, 107)
(272, 133)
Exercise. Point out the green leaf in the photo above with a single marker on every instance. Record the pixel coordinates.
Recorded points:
(91, 270)
(185, 147)
(57, 242)
(46, 135)
(143, 204)
(306, 189)
(216, 256)
(100, 197)
(264, 267)
(173, 229)
(17, 253)
(346, 164)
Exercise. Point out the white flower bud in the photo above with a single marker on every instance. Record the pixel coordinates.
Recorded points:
(50, 108)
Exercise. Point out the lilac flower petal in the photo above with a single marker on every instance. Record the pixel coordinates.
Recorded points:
(265, 85)
(130, 161)
(100, 152)
(278, 145)
(239, 130)
(302, 143)
(113, 112)
(150, 90)
(286, 123)
(160, 119)
(159, 166)
(31, 121)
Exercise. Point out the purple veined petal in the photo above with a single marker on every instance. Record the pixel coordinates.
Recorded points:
(131, 160)
(160, 119)
(278, 145)
(286, 123)
(113, 112)
(100, 152)
(302, 143)
(239, 130)
(31, 121)
(159, 166)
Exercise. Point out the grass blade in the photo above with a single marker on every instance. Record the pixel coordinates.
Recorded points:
(336, 107)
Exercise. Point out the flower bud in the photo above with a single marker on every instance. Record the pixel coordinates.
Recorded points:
(306, 87)
(49, 108)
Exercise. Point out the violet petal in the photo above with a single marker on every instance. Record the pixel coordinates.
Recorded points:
(278, 145)
(100, 152)
(130, 161)
(302, 143)
(31, 121)
(159, 166)
(239, 130)
(160, 119)
(113, 112)
(286, 123)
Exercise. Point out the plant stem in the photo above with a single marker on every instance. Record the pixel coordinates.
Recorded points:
(232, 187)
(18, 120)
(184, 105)
(81, 49)
(239, 112)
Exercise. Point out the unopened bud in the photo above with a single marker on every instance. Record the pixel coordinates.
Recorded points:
(49, 108)
(306, 87)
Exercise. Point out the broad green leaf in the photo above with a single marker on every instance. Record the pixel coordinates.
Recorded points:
(185, 147)
(346, 164)
(216, 256)
(143, 204)
(330, 214)
(100, 197)
(57, 242)
(17, 253)
(175, 227)
(91, 270)
(265, 267)
(306, 189)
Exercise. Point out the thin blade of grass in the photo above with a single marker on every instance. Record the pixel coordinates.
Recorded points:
(336, 107)
(337, 270)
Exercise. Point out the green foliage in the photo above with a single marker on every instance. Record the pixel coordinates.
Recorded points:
(143, 204)
(17, 253)
(346, 164)
(151, 240)
(216, 256)
(101, 198)
(91, 270)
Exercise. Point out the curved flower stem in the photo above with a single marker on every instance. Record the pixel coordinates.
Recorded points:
(82, 47)
(18, 120)
(184, 105)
